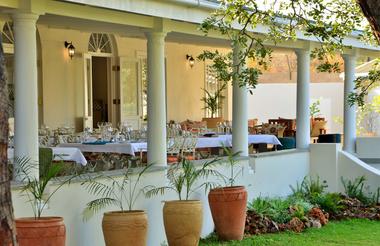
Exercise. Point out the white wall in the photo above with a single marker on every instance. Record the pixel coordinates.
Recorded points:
(330, 163)
(270, 174)
(270, 101)
(368, 147)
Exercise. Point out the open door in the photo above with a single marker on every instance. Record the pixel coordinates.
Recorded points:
(130, 111)
(87, 117)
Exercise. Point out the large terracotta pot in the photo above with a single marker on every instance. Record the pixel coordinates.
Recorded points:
(125, 228)
(183, 222)
(212, 122)
(228, 209)
(45, 231)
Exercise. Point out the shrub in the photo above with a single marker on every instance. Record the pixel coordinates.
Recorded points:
(309, 188)
(280, 210)
(329, 202)
(354, 188)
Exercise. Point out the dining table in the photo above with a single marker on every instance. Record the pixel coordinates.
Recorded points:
(61, 154)
(131, 147)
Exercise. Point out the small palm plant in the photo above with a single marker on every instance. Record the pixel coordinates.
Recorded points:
(183, 177)
(34, 188)
(120, 193)
(213, 101)
(232, 163)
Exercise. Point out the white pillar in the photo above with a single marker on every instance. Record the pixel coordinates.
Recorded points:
(156, 98)
(349, 120)
(303, 98)
(26, 88)
(239, 112)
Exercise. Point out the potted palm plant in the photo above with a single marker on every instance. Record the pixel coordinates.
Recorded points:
(37, 229)
(124, 226)
(228, 204)
(183, 217)
(213, 102)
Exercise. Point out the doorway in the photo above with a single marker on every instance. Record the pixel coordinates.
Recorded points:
(100, 98)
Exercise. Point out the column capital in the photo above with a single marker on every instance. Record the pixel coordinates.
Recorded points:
(155, 35)
(349, 56)
(300, 52)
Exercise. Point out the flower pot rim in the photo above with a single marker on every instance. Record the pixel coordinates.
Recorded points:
(42, 219)
(183, 201)
(235, 187)
(125, 212)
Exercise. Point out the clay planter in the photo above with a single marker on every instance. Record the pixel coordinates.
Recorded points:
(183, 222)
(44, 231)
(228, 209)
(212, 122)
(125, 228)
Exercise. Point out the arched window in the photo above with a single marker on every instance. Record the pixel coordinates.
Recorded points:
(7, 33)
(99, 43)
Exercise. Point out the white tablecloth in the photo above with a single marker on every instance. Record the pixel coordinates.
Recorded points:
(202, 142)
(62, 153)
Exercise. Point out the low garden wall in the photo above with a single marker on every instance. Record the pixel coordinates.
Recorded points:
(267, 174)
(330, 163)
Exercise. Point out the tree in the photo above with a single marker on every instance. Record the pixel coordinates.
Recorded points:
(328, 21)
(7, 226)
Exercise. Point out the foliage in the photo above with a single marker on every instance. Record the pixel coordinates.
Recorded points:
(214, 101)
(356, 189)
(309, 188)
(280, 210)
(346, 232)
(231, 157)
(183, 176)
(364, 84)
(328, 21)
(329, 202)
(35, 188)
(114, 193)
(314, 108)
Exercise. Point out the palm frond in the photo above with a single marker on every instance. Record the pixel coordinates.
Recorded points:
(96, 205)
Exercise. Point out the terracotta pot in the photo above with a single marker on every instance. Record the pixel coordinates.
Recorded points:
(125, 228)
(228, 208)
(45, 231)
(183, 222)
(212, 122)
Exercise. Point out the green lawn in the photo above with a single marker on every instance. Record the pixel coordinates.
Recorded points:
(350, 232)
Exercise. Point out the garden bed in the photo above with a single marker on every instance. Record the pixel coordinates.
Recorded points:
(311, 207)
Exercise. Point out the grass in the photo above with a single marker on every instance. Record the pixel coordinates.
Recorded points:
(349, 232)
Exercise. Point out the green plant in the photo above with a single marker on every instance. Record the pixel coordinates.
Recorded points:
(183, 177)
(214, 101)
(329, 202)
(280, 210)
(355, 188)
(309, 188)
(35, 188)
(314, 108)
(231, 157)
(260, 205)
(114, 193)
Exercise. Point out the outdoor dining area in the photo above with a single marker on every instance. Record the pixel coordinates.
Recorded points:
(108, 148)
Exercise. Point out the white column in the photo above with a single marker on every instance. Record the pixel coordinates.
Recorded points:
(303, 98)
(239, 112)
(156, 99)
(26, 88)
(349, 120)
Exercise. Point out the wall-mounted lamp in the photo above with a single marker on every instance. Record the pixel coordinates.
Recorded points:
(70, 49)
(191, 60)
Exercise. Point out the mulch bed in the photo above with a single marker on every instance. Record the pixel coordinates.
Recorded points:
(351, 208)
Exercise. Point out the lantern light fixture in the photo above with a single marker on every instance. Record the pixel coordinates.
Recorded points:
(70, 49)
(191, 60)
